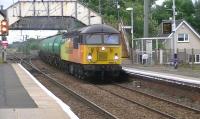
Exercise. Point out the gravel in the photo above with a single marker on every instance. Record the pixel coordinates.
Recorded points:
(117, 106)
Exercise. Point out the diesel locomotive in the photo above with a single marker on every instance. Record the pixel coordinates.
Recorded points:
(92, 50)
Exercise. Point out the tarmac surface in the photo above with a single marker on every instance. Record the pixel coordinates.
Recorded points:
(12, 93)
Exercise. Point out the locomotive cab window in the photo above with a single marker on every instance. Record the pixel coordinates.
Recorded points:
(93, 39)
(75, 42)
(111, 39)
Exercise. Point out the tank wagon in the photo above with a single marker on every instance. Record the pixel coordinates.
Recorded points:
(91, 50)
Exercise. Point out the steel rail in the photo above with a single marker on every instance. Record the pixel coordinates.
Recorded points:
(140, 104)
(76, 95)
(159, 98)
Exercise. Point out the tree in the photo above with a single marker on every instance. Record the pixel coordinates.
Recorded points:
(185, 10)
(196, 16)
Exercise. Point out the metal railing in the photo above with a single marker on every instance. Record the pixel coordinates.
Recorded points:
(190, 57)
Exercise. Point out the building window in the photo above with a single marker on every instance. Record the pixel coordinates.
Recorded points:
(194, 58)
(183, 37)
(197, 58)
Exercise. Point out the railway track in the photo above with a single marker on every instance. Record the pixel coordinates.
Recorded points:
(87, 102)
(176, 106)
(141, 104)
(161, 99)
(111, 110)
(76, 95)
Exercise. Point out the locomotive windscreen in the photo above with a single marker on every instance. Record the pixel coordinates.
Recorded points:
(110, 39)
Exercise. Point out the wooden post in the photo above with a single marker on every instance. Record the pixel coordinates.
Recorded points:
(192, 57)
(156, 56)
(4, 55)
(185, 56)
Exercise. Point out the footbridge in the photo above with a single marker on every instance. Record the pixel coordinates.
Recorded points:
(50, 15)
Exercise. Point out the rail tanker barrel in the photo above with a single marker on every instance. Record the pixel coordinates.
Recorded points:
(51, 44)
(57, 44)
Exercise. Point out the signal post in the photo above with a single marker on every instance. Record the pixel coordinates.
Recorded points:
(4, 28)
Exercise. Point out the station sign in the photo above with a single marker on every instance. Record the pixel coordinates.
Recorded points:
(4, 44)
(167, 28)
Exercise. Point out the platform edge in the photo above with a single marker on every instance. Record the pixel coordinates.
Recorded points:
(64, 107)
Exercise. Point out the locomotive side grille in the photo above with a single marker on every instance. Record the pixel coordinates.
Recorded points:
(102, 56)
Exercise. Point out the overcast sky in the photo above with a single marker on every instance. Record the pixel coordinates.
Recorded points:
(7, 3)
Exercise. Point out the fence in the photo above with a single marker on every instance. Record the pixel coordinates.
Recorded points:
(165, 56)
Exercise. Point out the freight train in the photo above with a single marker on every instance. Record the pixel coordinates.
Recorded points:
(89, 51)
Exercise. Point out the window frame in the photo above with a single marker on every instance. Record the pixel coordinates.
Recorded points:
(195, 58)
(102, 39)
(184, 38)
(106, 43)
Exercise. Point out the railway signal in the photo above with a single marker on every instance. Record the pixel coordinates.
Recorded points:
(4, 28)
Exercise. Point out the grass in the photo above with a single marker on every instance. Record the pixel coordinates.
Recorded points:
(1, 60)
(189, 66)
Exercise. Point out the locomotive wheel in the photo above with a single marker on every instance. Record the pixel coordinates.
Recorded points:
(71, 69)
(81, 73)
(66, 67)
(116, 73)
(102, 75)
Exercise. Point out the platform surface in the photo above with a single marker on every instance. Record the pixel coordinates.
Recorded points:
(12, 93)
(183, 76)
(30, 101)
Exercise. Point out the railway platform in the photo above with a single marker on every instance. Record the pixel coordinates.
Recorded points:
(23, 97)
(181, 75)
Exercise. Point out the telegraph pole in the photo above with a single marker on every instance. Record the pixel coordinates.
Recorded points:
(100, 11)
(118, 7)
(147, 43)
(146, 18)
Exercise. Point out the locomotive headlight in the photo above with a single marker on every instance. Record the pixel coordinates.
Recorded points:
(103, 48)
(116, 57)
(89, 57)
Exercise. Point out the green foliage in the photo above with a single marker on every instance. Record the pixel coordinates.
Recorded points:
(26, 46)
(196, 16)
(185, 10)
(110, 13)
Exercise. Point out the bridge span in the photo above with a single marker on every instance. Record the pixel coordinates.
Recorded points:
(24, 14)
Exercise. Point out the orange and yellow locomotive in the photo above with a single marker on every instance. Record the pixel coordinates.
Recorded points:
(91, 50)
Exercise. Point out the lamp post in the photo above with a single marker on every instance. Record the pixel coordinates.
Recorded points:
(173, 31)
(118, 7)
(131, 9)
(100, 12)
